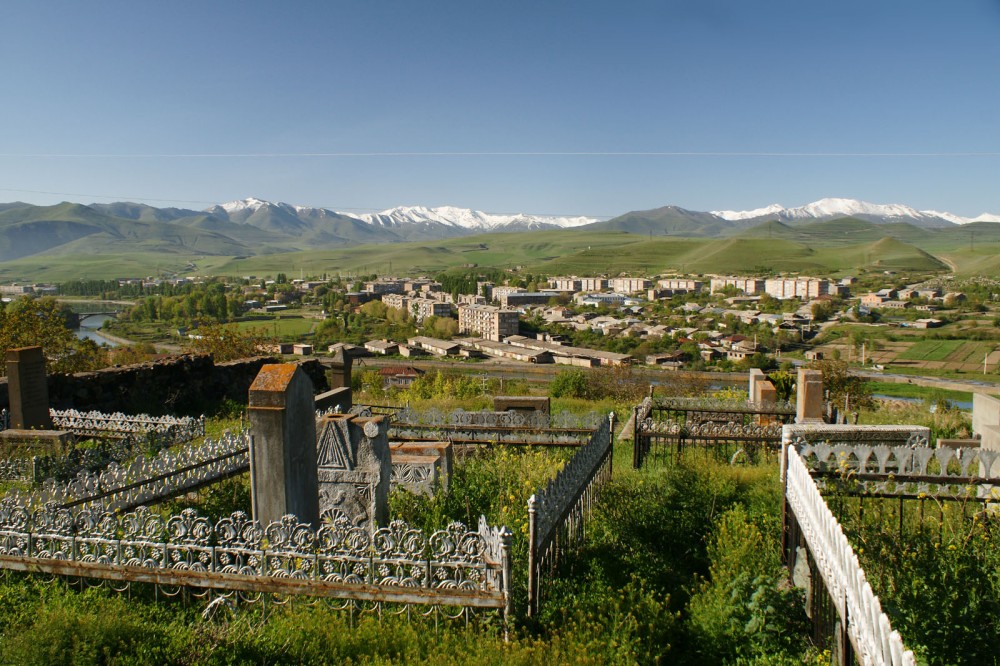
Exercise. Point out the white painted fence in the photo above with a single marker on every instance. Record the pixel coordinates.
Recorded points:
(874, 640)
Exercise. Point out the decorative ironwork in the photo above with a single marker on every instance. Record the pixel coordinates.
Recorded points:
(558, 513)
(859, 609)
(508, 419)
(169, 430)
(709, 405)
(850, 434)
(904, 471)
(486, 435)
(145, 480)
(453, 566)
(660, 439)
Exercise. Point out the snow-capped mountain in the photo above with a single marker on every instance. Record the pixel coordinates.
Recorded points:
(404, 216)
(834, 207)
(468, 219)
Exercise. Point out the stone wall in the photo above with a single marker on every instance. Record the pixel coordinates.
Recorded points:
(191, 384)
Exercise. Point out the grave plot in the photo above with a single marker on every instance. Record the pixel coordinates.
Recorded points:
(319, 524)
(894, 542)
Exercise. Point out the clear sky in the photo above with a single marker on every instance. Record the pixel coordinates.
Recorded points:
(591, 108)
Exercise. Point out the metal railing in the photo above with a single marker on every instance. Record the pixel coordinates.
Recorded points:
(559, 512)
(456, 566)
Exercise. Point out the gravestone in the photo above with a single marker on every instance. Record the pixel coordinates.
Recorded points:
(756, 376)
(28, 389)
(521, 403)
(809, 394)
(340, 378)
(283, 477)
(31, 431)
(421, 467)
(355, 469)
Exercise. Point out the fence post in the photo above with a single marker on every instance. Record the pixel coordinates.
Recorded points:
(611, 459)
(532, 556)
(635, 438)
(506, 580)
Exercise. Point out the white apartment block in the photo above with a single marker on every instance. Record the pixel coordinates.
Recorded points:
(629, 285)
(744, 284)
(422, 308)
(593, 284)
(487, 321)
(396, 301)
(680, 284)
(804, 288)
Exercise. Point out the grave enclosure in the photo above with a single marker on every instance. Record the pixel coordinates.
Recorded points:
(319, 523)
(320, 527)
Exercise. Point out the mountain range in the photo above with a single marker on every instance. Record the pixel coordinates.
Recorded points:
(253, 227)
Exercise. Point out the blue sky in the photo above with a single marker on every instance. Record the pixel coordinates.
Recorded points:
(591, 108)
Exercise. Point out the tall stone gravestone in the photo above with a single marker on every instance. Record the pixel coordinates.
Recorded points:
(283, 477)
(355, 469)
(809, 397)
(28, 388)
(31, 428)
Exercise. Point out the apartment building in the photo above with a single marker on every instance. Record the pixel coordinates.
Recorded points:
(803, 288)
(629, 285)
(744, 284)
(487, 321)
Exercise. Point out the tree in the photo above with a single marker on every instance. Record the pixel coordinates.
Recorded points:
(229, 342)
(29, 322)
(571, 383)
(842, 386)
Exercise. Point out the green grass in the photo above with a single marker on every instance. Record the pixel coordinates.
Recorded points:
(931, 350)
(898, 390)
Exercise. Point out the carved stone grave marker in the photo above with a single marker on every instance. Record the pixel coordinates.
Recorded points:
(31, 430)
(283, 477)
(355, 469)
(809, 397)
(29, 389)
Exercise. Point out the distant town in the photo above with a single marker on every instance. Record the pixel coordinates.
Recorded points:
(705, 322)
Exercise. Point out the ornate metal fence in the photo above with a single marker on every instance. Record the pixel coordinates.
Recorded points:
(863, 631)
(168, 430)
(456, 566)
(487, 428)
(687, 411)
(659, 442)
(559, 512)
(144, 480)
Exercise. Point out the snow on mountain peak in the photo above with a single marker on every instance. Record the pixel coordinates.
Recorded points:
(250, 203)
(734, 215)
(466, 218)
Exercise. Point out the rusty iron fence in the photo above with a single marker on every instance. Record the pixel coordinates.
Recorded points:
(558, 513)
(455, 568)
(146, 479)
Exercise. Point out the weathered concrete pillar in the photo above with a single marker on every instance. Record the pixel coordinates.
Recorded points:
(355, 469)
(340, 376)
(756, 376)
(283, 476)
(766, 394)
(28, 389)
(809, 394)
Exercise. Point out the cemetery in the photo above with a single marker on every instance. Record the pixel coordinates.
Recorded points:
(506, 521)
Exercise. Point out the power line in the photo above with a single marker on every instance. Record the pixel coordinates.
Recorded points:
(621, 153)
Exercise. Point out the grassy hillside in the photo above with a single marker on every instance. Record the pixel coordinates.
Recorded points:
(92, 244)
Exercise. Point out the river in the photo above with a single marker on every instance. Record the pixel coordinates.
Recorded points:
(89, 328)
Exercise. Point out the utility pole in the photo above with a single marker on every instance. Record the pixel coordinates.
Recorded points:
(863, 354)
(985, 358)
